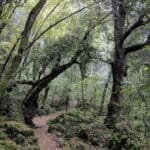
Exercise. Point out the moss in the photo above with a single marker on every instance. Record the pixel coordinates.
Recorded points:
(3, 136)
(76, 144)
(13, 128)
(32, 140)
(58, 127)
(20, 139)
(89, 129)
(20, 136)
(8, 145)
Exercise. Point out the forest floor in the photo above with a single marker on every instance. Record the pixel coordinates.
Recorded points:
(46, 140)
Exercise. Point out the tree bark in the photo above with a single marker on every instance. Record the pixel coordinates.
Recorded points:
(118, 66)
(11, 67)
(30, 103)
(116, 101)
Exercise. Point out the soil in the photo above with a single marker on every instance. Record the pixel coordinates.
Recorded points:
(46, 140)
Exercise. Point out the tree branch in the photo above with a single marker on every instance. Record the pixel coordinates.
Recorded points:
(3, 25)
(29, 24)
(57, 70)
(56, 23)
(29, 82)
(138, 23)
(105, 61)
(137, 46)
(49, 14)
(10, 72)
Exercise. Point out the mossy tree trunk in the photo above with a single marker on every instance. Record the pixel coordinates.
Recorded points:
(30, 103)
(10, 69)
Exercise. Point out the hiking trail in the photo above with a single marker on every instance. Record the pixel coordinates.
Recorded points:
(46, 140)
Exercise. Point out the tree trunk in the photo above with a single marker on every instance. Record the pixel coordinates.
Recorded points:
(30, 103)
(116, 101)
(30, 108)
(118, 66)
(12, 66)
(104, 94)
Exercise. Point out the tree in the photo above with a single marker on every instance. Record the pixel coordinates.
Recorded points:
(9, 69)
(30, 103)
(120, 11)
(23, 45)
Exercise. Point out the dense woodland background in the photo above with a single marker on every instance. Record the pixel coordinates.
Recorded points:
(89, 56)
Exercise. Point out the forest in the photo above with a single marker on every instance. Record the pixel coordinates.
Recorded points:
(74, 75)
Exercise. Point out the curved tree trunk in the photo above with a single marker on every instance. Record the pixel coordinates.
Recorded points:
(30, 103)
(30, 108)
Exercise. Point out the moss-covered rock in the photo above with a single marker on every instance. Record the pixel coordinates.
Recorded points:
(12, 128)
(20, 135)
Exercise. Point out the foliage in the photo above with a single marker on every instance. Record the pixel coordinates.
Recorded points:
(88, 128)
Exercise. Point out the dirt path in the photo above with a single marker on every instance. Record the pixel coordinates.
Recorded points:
(47, 141)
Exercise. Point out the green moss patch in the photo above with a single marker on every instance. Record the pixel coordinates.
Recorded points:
(8, 145)
(82, 130)
(18, 136)
(87, 128)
